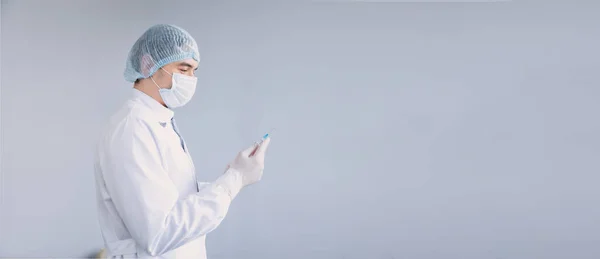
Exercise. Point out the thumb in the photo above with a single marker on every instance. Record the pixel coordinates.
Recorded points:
(262, 148)
(246, 152)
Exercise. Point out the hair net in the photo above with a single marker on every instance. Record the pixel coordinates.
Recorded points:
(158, 46)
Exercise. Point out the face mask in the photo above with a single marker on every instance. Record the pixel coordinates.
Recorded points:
(181, 91)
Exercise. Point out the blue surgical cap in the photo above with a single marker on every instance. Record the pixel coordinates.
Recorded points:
(158, 46)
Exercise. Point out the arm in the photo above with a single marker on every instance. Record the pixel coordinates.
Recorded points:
(147, 200)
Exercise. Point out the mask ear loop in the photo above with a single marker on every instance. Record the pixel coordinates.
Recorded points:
(155, 83)
(166, 71)
(152, 78)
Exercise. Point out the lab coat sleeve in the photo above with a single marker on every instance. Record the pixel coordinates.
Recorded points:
(201, 185)
(146, 198)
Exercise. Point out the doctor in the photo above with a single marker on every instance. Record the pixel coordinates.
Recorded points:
(149, 202)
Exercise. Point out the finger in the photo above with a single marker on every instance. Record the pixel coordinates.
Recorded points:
(262, 148)
(255, 147)
(248, 151)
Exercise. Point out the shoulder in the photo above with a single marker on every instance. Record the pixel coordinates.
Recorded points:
(132, 120)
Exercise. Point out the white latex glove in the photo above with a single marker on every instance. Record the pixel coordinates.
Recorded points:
(245, 169)
(250, 162)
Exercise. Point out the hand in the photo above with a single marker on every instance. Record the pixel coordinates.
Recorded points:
(251, 162)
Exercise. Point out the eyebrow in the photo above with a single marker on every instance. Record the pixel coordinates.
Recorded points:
(185, 64)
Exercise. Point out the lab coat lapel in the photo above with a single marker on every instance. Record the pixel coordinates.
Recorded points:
(185, 149)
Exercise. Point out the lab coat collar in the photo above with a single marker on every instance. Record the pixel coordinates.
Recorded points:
(163, 113)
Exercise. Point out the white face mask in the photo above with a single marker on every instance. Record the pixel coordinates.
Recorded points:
(181, 92)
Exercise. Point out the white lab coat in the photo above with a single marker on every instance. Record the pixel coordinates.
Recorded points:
(149, 202)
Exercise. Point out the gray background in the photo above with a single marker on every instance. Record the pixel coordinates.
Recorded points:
(409, 130)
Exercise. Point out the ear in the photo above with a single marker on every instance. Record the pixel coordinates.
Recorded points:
(146, 64)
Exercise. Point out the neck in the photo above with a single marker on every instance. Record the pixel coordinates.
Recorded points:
(148, 87)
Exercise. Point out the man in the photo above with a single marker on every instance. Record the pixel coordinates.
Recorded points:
(149, 202)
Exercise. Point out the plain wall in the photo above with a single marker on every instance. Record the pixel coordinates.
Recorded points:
(406, 130)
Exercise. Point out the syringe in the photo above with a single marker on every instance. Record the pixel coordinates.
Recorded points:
(266, 136)
(258, 143)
